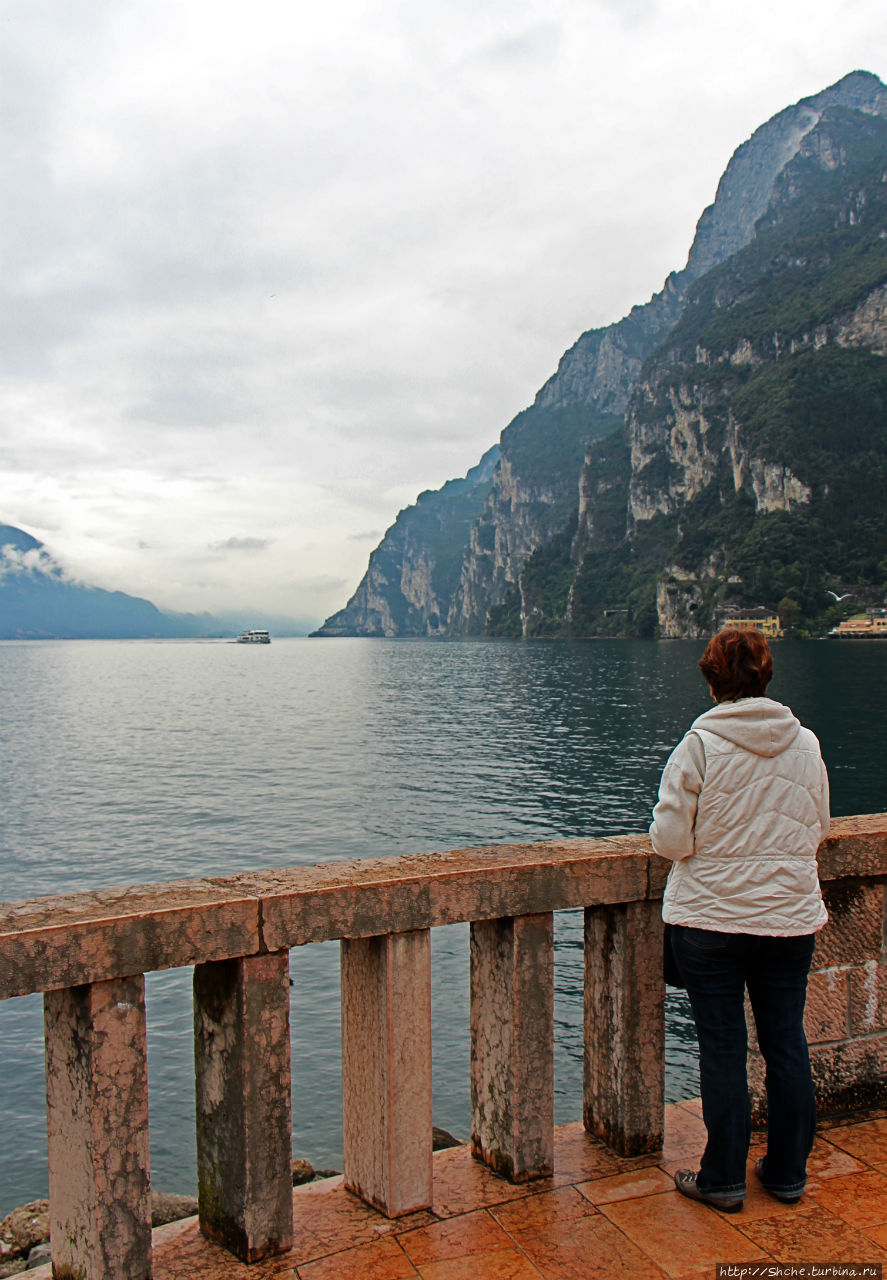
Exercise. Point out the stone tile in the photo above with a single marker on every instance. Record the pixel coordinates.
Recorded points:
(706, 1273)
(462, 1183)
(327, 1219)
(555, 1232)
(379, 1260)
(548, 1211)
(41, 1273)
(626, 1186)
(573, 1241)
(503, 1264)
(760, 1204)
(683, 1237)
(188, 1255)
(470, 1233)
(866, 1139)
(685, 1136)
(878, 1234)
(578, 1156)
(163, 1237)
(811, 1232)
(858, 1198)
(841, 1120)
(827, 1160)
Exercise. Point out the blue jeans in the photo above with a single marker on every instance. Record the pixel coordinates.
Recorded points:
(716, 968)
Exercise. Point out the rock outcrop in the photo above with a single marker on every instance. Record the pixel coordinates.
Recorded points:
(408, 586)
(659, 376)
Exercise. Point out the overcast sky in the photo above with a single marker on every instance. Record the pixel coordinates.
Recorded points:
(270, 269)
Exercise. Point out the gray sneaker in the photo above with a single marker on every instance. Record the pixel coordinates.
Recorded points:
(790, 1197)
(685, 1181)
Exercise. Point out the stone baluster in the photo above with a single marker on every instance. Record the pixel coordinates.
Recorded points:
(624, 1069)
(244, 1110)
(97, 1129)
(512, 1045)
(386, 1069)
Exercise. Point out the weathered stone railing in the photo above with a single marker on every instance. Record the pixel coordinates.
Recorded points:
(88, 953)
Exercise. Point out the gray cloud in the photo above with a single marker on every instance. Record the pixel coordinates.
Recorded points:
(286, 269)
(242, 544)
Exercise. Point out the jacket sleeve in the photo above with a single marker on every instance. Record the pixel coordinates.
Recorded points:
(674, 816)
(824, 814)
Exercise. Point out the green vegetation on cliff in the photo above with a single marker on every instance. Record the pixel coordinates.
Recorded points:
(749, 466)
(816, 255)
(549, 443)
(783, 391)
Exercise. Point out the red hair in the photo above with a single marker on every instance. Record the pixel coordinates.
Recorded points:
(737, 664)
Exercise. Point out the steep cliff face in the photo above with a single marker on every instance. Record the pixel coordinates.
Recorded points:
(765, 410)
(498, 547)
(564, 501)
(528, 504)
(408, 586)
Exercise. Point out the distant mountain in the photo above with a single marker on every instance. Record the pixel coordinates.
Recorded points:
(38, 600)
(762, 360)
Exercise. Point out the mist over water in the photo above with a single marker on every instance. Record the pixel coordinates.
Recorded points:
(126, 762)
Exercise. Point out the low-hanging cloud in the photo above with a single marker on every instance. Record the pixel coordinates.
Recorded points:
(14, 563)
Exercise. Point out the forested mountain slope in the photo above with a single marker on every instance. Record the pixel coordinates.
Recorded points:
(683, 458)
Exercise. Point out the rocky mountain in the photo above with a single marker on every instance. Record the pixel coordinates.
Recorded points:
(408, 587)
(622, 497)
(752, 463)
(39, 601)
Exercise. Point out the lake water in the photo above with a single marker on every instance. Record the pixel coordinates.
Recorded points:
(134, 761)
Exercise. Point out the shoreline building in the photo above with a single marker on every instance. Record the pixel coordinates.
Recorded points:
(755, 620)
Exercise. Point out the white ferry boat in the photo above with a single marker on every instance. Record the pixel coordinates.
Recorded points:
(254, 636)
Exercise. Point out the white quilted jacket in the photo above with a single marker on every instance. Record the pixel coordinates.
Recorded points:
(743, 805)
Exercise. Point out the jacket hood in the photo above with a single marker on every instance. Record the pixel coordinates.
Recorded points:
(759, 725)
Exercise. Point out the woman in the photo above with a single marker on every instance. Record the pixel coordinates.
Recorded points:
(743, 805)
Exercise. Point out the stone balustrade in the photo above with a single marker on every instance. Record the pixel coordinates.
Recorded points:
(88, 954)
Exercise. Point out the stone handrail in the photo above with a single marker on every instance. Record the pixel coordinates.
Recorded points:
(88, 954)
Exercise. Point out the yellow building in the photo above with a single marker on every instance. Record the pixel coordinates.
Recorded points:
(862, 626)
(757, 620)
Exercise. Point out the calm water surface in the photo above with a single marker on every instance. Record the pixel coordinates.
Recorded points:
(132, 761)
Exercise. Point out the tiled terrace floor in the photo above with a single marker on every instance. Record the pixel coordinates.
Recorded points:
(599, 1218)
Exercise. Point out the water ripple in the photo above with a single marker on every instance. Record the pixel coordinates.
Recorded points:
(134, 761)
